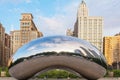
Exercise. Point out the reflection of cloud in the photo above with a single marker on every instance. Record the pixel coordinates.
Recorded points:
(31, 48)
(57, 40)
(61, 45)
(56, 44)
(47, 45)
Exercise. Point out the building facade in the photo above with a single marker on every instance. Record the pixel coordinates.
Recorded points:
(87, 27)
(28, 31)
(4, 47)
(7, 50)
(112, 50)
(69, 32)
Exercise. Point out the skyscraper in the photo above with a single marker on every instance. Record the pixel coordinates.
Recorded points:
(88, 27)
(28, 31)
(112, 50)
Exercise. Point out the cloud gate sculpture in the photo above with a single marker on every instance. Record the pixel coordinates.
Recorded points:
(57, 52)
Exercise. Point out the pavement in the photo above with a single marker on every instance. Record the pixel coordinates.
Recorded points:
(10, 78)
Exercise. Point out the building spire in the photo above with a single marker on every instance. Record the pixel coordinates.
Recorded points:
(83, 10)
(83, 1)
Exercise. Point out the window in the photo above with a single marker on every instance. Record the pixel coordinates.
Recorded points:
(25, 24)
(23, 17)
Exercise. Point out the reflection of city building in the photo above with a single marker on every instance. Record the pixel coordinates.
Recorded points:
(88, 27)
(112, 49)
(4, 47)
(58, 52)
(28, 31)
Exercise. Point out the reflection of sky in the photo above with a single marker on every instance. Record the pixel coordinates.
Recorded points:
(55, 43)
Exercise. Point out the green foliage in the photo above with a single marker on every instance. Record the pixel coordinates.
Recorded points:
(116, 73)
(61, 73)
(7, 73)
(57, 74)
(6, 70)
(0, 70)
(113, 73)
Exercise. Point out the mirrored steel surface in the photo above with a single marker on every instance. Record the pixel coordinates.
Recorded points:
(57, 46)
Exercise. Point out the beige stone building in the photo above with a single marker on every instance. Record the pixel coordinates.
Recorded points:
(69, 32)
(7, 53)
(2, 45)
(87, 27)
(28, 31)
(112, 49)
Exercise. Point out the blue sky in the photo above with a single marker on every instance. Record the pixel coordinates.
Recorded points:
(53, 17)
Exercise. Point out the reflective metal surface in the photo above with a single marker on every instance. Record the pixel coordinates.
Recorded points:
(58, 52)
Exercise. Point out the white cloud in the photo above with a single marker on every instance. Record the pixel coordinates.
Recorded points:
(16, 10)
(12, 27)
(51, 25)
(109, 10)
(64, 18)
(14, 1)
(112, 31)
(28, 1)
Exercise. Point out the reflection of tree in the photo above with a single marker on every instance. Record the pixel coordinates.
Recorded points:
(16, 62)
(96, 60)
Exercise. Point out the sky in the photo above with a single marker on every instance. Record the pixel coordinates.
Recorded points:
(53, 17)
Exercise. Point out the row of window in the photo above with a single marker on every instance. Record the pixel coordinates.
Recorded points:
(25, 23)
(26, 17)
(90, 19)
(92, 25)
